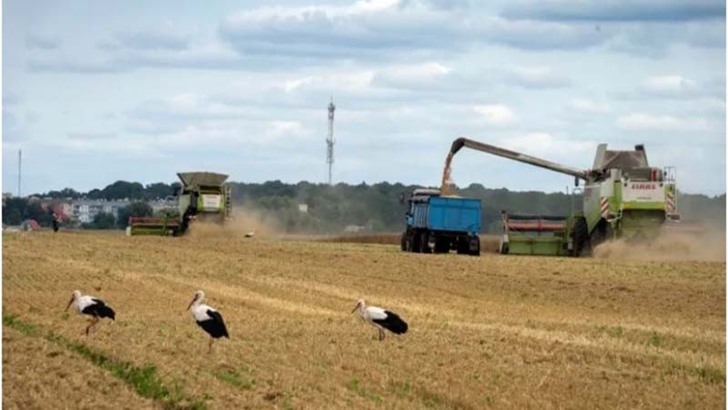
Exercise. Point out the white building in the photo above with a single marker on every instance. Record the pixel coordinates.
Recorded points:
(85, 210)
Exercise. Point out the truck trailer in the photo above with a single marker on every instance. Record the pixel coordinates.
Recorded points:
(439, 224)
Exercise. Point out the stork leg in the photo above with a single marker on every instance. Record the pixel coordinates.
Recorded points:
(381, 335)
(209, 348)
(93, 323)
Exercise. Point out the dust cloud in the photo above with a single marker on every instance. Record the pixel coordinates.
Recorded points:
(673, 244)
(245, 221)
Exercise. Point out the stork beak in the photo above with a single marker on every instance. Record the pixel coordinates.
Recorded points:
(355, 308)
(193, 301)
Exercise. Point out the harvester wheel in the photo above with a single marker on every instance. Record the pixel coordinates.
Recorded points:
(581, 238)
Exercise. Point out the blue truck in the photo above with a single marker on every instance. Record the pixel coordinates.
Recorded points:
(439, 224)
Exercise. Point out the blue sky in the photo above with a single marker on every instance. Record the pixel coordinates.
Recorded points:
(94, 92)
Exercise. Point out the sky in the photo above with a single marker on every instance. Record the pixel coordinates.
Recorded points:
(95, 92)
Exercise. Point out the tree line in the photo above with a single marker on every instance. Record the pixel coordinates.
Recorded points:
(307, 207)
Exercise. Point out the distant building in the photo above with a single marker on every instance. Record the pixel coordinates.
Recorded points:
(303, 208)
(85, 210)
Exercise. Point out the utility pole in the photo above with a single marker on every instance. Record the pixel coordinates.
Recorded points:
(20, 169)
(330, 138)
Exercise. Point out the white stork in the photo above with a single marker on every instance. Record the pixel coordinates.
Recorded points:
(92, 306)
(381, 319)
(209, 319)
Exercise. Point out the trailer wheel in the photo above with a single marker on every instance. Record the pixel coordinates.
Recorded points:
(462, 245)
(403, 242)
(581, 238)
(474, 246)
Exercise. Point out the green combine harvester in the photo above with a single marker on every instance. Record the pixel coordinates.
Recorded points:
(623, 197)
(204, 196)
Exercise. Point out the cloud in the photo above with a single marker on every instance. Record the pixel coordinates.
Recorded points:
(536, 77)
(91, 136)
(73, 66)
(162, 37)
(10, 98)
(11, 127)
(589, 106)
(616, 10)
(546, 146)
(495, 114)
(648, 122)
(411, 75)
(421, 29)
(669, 85)
(537, 35)
(42, 42)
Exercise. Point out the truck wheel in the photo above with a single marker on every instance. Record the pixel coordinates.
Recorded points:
(424, 246)
(474, 246)
(415, 242)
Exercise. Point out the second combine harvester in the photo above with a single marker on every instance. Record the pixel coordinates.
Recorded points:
(623, 197)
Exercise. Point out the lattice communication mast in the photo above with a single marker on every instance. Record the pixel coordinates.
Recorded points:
(330, 138)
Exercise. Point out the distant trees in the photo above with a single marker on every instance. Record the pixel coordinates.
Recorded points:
(133, 209)
(102, 220)
(328, 209)
(16, 210)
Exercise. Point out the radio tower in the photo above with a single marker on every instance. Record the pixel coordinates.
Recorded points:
(330, 138)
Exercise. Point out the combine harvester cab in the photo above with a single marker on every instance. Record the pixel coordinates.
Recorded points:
(623, 196)
(439, 224)
(536, 235)
(202, 197)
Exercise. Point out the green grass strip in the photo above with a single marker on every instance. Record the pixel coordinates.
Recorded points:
(145, 380)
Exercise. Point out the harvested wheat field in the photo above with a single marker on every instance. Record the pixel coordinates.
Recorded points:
(493, 331)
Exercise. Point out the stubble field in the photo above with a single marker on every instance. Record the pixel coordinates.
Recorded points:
(493, 331)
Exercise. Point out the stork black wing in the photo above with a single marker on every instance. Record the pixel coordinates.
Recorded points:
(392, 322)
(99, 309)
(215, 326)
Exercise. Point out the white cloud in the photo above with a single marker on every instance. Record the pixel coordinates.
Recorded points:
(537, 77)
(668, 85)
(648, 122)
(590, 106)
(411, 75)
(495, 114)
(339, 81)
(544, 145)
